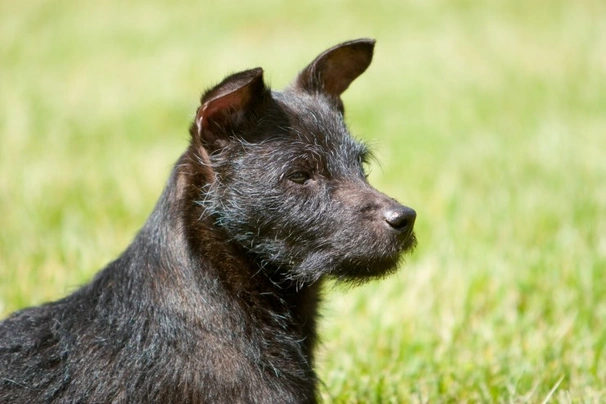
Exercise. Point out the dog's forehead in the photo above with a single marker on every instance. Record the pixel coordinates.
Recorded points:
(314, 119)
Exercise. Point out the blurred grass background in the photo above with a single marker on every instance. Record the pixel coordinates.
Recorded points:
(488, 118)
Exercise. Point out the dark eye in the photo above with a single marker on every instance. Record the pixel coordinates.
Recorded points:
(299, 177)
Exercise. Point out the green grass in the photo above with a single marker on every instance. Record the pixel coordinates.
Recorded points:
(489, 119)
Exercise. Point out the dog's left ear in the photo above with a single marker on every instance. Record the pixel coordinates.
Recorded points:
(332, 71)
(225, 107)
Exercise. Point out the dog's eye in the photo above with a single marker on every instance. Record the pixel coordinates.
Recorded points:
(299, 177)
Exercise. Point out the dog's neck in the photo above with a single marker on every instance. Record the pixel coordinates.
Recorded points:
(192, 262)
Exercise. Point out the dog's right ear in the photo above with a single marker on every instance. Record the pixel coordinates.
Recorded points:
(333, 70)
(225, 106)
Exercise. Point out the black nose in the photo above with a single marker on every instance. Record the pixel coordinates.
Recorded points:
(400, 218)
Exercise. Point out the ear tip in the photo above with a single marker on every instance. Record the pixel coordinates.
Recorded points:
(256, 72)
(363, 47)
(364, 42)
(252, 74)
(369, 41)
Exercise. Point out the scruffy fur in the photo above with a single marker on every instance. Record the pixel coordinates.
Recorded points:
(216, 298)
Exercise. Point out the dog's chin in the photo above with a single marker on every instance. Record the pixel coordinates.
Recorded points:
(362, 272)
(361, 269)
(344, 266)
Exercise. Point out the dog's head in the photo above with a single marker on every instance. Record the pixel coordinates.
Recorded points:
(286, 180)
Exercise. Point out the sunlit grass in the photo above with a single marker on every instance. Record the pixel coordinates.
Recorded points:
(488, 119)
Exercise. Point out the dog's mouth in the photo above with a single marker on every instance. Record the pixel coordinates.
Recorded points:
(410, 242)
(353, 256)
(372, 264)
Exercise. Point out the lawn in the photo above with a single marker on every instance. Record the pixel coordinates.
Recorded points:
(489, 119)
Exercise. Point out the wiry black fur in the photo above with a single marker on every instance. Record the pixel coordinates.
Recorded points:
(215, 300)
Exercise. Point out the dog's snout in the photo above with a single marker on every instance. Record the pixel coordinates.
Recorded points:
(400, 218)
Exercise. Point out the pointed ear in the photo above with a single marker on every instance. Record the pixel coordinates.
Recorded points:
(334, 70)
(225, 106)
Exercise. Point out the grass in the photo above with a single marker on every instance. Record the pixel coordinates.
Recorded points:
(489, 119)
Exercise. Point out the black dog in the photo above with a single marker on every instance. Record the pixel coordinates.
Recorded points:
(216, 298)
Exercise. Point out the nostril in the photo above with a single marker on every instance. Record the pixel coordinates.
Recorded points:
(401, 218)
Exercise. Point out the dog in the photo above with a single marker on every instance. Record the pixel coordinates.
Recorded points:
(216, 298)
